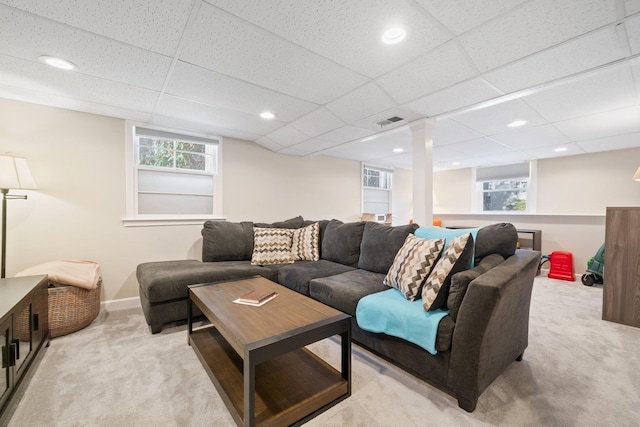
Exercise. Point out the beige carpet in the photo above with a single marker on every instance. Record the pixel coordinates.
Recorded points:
(578, 371)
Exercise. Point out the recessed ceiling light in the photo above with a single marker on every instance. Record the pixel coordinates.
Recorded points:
(393, 35)
(560, 149)
(517, 123)
(60, 63)
(398, 150)
(267, 115)
(455, 164)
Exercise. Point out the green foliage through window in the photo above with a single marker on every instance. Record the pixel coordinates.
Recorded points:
(173, 154)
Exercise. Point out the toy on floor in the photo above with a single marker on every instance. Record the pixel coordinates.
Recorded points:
(595, 269)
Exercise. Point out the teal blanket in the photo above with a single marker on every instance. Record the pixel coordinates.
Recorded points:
(391, 313)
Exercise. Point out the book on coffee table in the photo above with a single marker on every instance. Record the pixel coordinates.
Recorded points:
(257, 297)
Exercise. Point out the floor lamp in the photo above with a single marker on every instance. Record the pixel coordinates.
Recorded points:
(14, 174)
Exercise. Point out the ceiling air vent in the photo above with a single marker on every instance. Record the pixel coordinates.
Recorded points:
(387, 122)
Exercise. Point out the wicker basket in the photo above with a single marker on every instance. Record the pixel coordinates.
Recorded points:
(72, 308)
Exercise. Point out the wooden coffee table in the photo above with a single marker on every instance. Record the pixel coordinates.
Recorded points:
(256, 358)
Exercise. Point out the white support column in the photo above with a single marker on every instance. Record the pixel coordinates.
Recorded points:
(422, 146)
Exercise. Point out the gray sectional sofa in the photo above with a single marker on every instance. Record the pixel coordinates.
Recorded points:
(486, 328)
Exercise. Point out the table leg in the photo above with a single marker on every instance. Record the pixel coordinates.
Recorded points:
(189, 320)
(346, 357)
(249, 391)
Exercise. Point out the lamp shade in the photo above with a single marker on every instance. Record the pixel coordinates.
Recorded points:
(636, 177)
(15, 173)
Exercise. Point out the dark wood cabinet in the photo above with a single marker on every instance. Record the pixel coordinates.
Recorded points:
(621, 289)
(24, 331)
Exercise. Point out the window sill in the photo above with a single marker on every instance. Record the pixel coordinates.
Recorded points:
(157, 222)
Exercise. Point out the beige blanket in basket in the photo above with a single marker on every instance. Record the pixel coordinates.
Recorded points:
(84, 274)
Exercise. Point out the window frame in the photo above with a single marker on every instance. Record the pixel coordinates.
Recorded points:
(132, 217)
(531, 191)
(387, 190)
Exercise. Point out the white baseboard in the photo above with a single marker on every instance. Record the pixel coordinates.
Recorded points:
(120, 304)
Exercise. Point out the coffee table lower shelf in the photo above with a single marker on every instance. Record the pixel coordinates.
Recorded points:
(287, 388)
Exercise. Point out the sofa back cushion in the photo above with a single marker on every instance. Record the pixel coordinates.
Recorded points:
(500, 238)
(380, 244)
(227, 241)
(341, 242)
(288, 223)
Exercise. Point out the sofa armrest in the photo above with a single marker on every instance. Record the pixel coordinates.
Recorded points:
(492, 327)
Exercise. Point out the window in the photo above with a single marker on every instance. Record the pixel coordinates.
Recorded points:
(376, 191)
(504, 188)
(172, 176)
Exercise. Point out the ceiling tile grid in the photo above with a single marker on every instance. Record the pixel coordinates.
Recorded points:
(191, 82)
(537, 25)
(155, 25)
(583, 53)
(568, 67)
(436, 70)
(250, 53)
(347, 32)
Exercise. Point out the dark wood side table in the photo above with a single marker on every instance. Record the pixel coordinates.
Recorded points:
(24, 332)
(256, 358)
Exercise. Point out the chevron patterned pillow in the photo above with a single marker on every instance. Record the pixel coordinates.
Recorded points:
(271, 246)
(306, 243)
(412, 264)
(436, 287)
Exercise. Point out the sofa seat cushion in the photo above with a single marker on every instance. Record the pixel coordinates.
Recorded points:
(390, 313)
(169, 280)
(298, 275)
(343, 291)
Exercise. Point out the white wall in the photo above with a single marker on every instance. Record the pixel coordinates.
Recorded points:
(572, 196)
(78, 163)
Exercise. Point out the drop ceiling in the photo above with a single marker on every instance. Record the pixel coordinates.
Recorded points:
(568, 67)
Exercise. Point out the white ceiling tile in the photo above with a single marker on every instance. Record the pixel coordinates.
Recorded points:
(436, 70)
(632, 27)
(404, 161)
(249, 53)
(362, 102)
(448, 131)
(480, 145)
(318, 122)
(189, 81)
(586, 52)
(536, 25)
(531, 137)
(607, 90)
(43, 78)
(462, 15)
(156, 25)
(314, 145)
(631, 6)
(494, 119)
(206, 128)
(58, 101)
(603, 125)
(345, 134)
(287, 135)
(618, 142)
(458, 96)
(172, 106)
(346, 32)
(548, 152)
(269, 143)
(28, 37)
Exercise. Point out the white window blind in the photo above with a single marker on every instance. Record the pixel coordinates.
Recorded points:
(174, 175)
